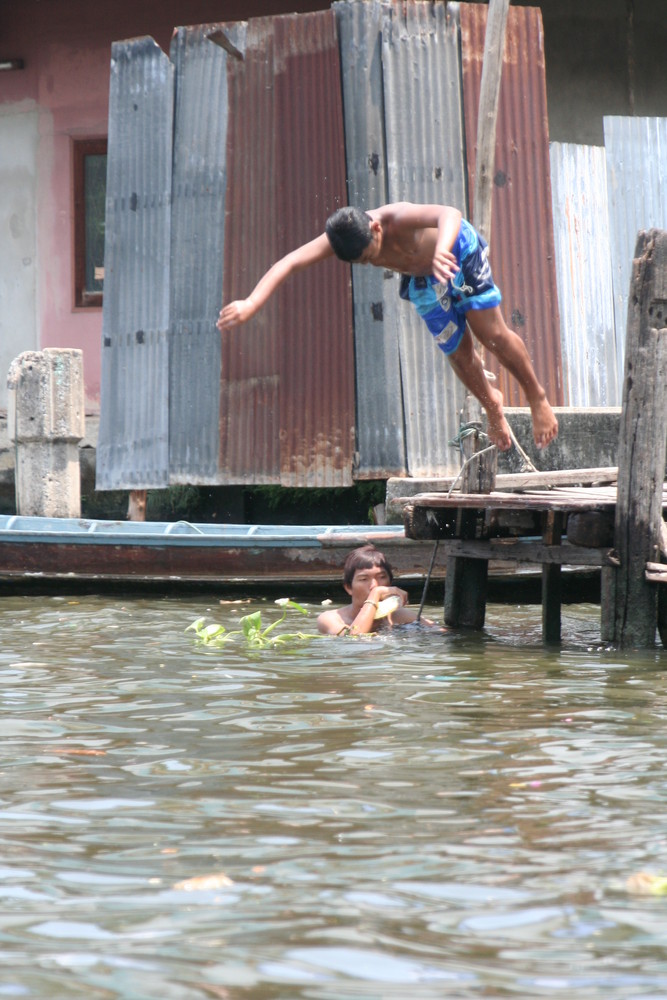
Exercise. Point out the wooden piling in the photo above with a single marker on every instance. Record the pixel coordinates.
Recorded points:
(630, 602)
(465, 578)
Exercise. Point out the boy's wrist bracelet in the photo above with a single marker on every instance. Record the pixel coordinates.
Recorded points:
(373, 603)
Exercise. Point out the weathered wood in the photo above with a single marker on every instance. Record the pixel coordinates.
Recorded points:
(631, 616)
(520, 481)
(548, 500)
(424, 522)
(551, 579)
(494, 47)
(136, 508)
(591, 528)
(518, 550)
(466, 579)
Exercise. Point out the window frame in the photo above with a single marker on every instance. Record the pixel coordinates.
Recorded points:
(81, 148)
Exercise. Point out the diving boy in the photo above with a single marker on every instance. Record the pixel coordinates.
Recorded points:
(446, 276)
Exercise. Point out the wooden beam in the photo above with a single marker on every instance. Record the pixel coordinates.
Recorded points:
(518, 550)
(606, 475)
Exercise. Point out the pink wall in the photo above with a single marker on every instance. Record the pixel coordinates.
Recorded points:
(66, 48)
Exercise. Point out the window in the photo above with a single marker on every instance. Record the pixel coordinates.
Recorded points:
(90, 185)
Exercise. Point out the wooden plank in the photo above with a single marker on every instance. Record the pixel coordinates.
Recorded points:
(518, 550)
(631, 617)
(512, 501)
(524, 480)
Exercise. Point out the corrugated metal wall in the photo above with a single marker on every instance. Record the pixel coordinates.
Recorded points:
(636, 151)
(274, 401)
(425, 163)
(316, 335)
(198, 191)
(249, 446)
(583, 267)
(287, 400)
(133, 444)
(380, 431)
(522, 245)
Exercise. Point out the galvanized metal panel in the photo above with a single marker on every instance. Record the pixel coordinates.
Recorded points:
(583, 270)
(522, 244)
(316, 343)
(380, 437)
(424, 137)
(197, 236)
(249, 392)
(132, 450)
(636, 151)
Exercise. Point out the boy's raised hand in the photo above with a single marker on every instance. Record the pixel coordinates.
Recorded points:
(235, 313)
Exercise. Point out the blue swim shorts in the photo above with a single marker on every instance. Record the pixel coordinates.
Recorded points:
(443, 307)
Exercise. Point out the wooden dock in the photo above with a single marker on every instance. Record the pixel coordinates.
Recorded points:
(614, 519)
(561, 526)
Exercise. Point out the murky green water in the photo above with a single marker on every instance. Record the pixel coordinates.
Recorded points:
(422, 816)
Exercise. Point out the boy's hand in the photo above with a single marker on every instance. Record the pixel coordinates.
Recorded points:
(379, 593)
(444, 265)
(235, 313)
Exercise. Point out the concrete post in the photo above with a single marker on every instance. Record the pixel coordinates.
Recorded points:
(45, 422)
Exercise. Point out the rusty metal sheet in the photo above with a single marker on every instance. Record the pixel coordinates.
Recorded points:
(250, 378)
(287, 397)
(583, 269)
(132, 451)
(424, 137)
(316, 350)
(380, 433)
(198, 187)
(522, 243)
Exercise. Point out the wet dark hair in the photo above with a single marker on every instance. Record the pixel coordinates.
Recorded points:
(349, 233)
(365, 557)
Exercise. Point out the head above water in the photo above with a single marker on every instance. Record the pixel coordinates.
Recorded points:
(349, 233)
(365, 557)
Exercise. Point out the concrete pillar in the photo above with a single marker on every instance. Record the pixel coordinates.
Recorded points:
(45, 422)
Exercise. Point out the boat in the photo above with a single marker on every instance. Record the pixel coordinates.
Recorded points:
(181, 552)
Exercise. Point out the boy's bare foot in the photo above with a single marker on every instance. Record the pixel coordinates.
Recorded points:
(497, 428)
(545, 424)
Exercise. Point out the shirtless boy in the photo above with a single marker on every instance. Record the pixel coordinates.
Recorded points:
(368, 579)
(447, 277)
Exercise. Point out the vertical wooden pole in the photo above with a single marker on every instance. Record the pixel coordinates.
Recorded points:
(551, 579)
(494, 48)
(136, 508)
(630, 617)
(466, 579)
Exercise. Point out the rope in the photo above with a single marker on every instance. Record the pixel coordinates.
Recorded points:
(427, 580)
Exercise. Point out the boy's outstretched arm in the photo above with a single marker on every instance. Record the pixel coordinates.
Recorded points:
(242, 310)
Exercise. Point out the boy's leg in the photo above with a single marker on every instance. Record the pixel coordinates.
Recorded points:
(467, 365)
(491, 330)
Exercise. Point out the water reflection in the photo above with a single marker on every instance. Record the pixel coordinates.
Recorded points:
(452, 815)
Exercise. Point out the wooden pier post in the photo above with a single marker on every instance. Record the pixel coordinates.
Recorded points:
(465, 578)
(629, 602)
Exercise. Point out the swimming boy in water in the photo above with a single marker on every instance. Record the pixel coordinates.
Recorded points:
(448, 279)
(368, 579)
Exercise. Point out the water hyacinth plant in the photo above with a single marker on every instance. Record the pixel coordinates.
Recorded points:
(252, 630)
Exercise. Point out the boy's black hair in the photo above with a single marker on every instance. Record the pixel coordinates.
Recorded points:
(349, 233)
(365, 557)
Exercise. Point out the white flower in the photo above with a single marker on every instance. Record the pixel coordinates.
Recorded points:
(326, 603)
(283, 601)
